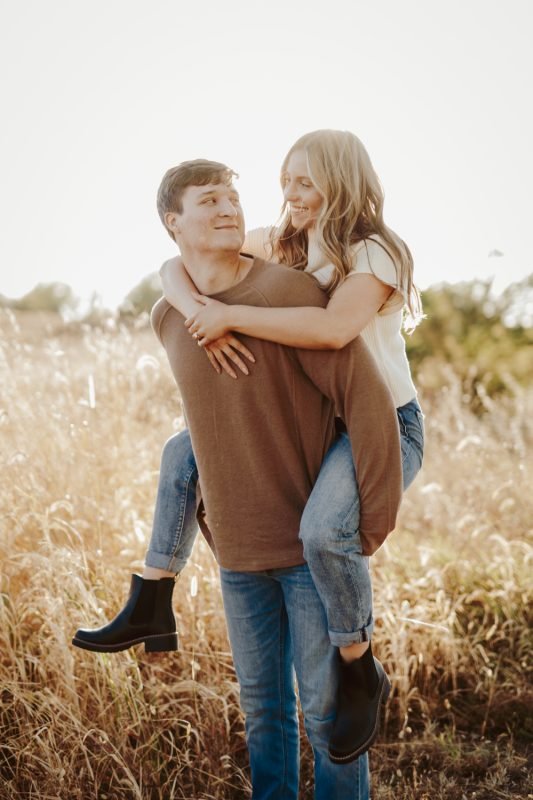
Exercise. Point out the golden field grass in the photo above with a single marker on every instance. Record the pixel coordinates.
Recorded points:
(83, 416)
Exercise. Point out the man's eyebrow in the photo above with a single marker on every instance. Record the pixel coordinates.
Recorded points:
(207, 192)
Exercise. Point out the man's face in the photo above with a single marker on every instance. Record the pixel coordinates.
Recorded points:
(211, 220)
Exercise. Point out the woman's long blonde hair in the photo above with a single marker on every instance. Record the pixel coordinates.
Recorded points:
(352, 211)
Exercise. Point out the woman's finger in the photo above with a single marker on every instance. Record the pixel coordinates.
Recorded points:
(200, 298)
(214, 362)
(224, 363)
(232, 355)
(238, 345)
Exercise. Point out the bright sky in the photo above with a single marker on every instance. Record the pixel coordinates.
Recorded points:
(100, 98)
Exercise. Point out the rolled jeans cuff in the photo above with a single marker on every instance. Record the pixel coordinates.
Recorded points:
(344, 639)
(164, 561)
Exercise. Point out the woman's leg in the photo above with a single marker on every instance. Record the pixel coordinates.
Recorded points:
(329, 532)
(411, 421)
(174, 527)
(332, 547)
(147, 615)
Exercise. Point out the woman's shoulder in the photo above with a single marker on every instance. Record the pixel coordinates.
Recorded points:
(373, 248)
(257, 243)
(372, 255)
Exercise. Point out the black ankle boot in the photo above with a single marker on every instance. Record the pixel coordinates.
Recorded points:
(147, 617)
(363, 687)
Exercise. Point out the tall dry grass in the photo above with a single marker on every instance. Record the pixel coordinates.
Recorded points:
(83, 415)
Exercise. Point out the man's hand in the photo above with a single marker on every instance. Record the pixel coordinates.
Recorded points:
(211, 322)
(225, 349)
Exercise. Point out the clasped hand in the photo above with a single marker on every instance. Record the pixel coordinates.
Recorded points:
(211, 330)
(210, 322)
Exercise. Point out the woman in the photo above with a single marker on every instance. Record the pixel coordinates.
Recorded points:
(332, 226)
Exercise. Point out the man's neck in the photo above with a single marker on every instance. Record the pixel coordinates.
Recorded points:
(216, 273)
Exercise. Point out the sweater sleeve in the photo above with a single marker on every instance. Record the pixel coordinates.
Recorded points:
(371, 257)
(350, 378)
(157, 315)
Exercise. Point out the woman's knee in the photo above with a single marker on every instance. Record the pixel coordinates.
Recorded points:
(177, 456)
(332, 510)
(313, 534)
(336, 527)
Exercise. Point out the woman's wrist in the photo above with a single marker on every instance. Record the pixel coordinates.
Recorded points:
(237, 318)
(187, 307)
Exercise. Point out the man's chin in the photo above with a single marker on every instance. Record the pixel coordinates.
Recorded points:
(231, 242)
(236, 249)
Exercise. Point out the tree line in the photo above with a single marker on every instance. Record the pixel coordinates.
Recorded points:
(487, 340)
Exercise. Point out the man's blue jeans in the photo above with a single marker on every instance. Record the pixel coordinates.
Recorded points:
(277, 619)
(277, 627)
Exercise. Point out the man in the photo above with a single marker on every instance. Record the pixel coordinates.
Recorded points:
(259, 444)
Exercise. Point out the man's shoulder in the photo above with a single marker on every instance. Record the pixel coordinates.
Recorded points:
(285, 286)
(158, 313)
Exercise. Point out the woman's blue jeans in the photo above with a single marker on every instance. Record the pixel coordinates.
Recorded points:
(174, 528)
(329, 531)
(329, 527)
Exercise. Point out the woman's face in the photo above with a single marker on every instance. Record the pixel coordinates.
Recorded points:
(299, 192)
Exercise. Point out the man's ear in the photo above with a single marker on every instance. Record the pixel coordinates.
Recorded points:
(172, 222)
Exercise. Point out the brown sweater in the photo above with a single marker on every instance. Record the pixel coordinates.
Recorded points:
(259, 441)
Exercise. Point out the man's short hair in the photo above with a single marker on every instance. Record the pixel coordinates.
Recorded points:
(199, 172)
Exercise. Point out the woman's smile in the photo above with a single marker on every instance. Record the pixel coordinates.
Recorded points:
(299, 191)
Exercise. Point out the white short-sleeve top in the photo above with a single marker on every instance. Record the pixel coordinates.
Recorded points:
(383, 334)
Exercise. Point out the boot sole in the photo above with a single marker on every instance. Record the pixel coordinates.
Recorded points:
(160, 643)
(345, 758)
